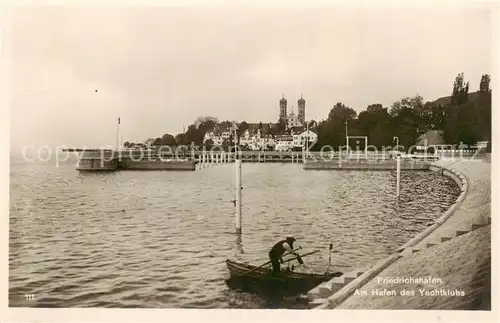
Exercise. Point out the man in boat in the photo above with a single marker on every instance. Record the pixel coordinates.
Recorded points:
(277, 251)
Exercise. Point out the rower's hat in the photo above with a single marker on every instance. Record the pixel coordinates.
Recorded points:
(289, 237)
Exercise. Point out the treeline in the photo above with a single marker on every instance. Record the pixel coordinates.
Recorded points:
(463, 117)
(195, 132)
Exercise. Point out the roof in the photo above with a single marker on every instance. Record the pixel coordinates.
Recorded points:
(434, 137)
(305, 131)
(283, 137)
(298, 129)
(254, 126)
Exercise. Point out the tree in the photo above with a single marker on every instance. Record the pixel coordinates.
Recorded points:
(332, 130)
(468, 121)
(207, 126)
(225, 145)
(225, 126)
(375, 107)
(415, 103)
(193, 135)
(242, 127)
(312, 125)
(484, 108)
(375, 123)
(460, 91)
(340, 113)
(126, 144)
(278, 128)
(181, 139)
(484, 85)
(168, 140)
(438, 116)
(209, 144)
(205, 120)
(156, 142)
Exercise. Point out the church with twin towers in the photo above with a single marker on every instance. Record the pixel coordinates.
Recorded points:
(291, 119)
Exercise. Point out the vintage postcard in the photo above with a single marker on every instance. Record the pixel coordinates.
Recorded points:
(324, 161)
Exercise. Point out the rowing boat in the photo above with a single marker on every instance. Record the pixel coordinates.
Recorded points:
(245, 276)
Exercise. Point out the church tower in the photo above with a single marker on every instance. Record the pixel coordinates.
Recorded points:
(302, 109)
(283, 114)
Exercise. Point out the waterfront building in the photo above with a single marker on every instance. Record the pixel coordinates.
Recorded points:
(216, 139)
(256, 140)
(284, 142)
(303, 138)
(246, 138)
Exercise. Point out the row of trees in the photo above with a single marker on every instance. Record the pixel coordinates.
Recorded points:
(463, 117)
(195, 132)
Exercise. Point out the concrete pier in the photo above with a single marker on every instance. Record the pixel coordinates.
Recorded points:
(109, 160)
(157, 164)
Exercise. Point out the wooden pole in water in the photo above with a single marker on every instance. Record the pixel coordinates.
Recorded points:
(237, 164)
(398, 174)
(117, 132)
(238, 195)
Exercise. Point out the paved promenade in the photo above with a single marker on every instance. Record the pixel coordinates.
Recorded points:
(456, 253)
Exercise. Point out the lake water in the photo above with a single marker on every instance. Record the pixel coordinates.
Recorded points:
(160, 238)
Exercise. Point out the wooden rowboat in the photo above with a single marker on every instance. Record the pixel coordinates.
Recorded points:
(287, 282)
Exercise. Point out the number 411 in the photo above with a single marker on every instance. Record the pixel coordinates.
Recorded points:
(30, 297)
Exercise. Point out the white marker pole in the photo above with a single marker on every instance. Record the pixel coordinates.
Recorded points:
(398, 174)
(117, 132)
(238, 195)
(237, 163)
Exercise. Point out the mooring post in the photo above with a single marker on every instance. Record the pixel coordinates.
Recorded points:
(238, 193)
(398, 174)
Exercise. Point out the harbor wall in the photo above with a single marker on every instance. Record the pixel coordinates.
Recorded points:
(157, 164)
(108, 160)
(366, 164)
(96, 164)
(470, 211)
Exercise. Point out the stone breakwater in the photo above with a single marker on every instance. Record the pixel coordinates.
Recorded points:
(456, 250)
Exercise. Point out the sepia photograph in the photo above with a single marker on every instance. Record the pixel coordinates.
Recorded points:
(287, 157)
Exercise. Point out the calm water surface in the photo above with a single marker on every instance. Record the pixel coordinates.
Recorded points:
(160, 239)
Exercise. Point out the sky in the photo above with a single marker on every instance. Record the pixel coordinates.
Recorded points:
(74, 70)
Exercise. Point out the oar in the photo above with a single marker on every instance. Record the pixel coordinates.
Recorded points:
(306, 254)
(253, 269)
(329, 258)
